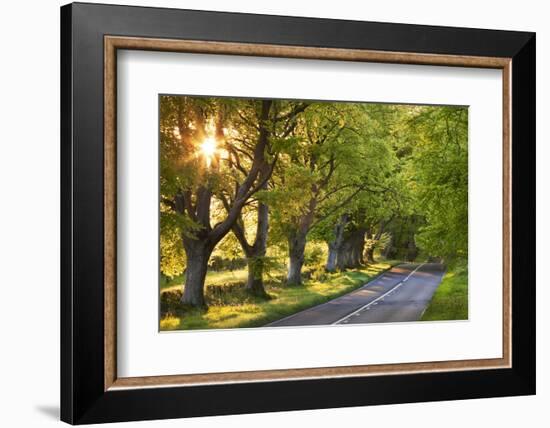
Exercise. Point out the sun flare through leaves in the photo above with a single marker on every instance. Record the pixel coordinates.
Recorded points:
(208, 149)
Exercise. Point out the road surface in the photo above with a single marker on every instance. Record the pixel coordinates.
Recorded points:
(400, 294)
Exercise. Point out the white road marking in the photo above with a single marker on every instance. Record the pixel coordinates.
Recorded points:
(368, 283)
(375, 301)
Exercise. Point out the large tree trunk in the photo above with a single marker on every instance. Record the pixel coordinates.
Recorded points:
(197, 206)
(332, 257)
(343, 258)
(354, 245)
(351, 251)
(335, 245)
(359, 246)
(296, 250)
(197, 254)
(254, 282)
(297, 242)
(256, 252)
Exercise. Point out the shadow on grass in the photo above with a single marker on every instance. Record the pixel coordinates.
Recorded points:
(230, 306)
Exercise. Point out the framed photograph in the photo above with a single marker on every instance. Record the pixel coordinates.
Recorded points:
(266, 213)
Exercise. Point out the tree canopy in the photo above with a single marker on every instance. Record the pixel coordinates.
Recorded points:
(249, 178)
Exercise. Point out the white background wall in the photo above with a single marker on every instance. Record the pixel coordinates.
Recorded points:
(29, 213)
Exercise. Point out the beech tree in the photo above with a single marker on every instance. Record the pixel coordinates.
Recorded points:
(326, 169)
(271, 172)
(191, 129)
(353, 234)
(435, 140)
(280, 125)
(216, 154)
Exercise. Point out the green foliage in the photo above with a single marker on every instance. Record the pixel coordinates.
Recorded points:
(450, 300)
(266, 265)
(315, 253)
(378, 244)
(172, 227)
(342, 162)
(228, 249)
(172, 256)
(399, 173)
(439, 171)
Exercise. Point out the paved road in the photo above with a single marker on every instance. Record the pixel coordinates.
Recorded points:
(401, 294)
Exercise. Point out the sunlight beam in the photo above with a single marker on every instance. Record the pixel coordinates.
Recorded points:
(208, 149)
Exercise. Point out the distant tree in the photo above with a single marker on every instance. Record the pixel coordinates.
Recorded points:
(331, 163)
(352, 235)
(438, 169)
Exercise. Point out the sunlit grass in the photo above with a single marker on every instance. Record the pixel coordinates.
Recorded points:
(450, 301)
(212, 278)
(236, 309)
(169, 323)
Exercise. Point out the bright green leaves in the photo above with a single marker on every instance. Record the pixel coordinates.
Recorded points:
(406, 165)
(439, 169)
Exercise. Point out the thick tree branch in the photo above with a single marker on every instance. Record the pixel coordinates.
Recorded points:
(292, 113)
(337, 207)
(221, 229)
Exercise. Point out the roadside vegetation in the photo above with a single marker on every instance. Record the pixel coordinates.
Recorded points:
(450, 301)
(270, 206)
(230, 306)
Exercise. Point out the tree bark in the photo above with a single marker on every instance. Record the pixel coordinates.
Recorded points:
(255, 283)
(296, 250)
(344, 256)
(199, 249)
(335, 245)
(331, 259)
(357, 248)
(198, 254)
(255, 252)
(297, 241)
(351, 251)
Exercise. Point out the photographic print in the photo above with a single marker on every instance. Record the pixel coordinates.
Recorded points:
(269, 193)
(282, 213)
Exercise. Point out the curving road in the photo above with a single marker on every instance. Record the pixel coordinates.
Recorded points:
(400, 294)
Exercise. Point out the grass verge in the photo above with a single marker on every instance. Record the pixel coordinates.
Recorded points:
(212, 278)
(229, 306)
(450, 300)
